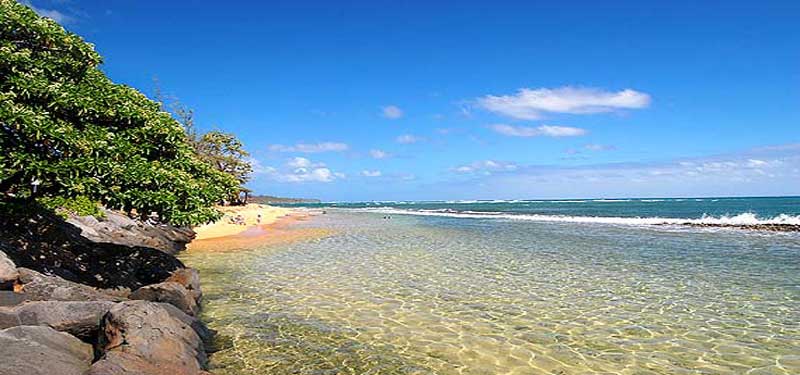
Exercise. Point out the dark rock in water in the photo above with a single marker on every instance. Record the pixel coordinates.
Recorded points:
(38, 350)
(190, 279)
(168, 292)
(38, 287)
(8, 272)
(146, 330)
(81, 319)
(117, 228)
(44, 242)
(754, 227)
(206, 335)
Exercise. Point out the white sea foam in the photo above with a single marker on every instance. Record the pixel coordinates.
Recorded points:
(746, 218)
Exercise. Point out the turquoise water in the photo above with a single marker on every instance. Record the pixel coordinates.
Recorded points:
(760, 210)
(489, 294)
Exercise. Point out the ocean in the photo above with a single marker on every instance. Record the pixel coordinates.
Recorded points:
(723, 211)
(616, 286)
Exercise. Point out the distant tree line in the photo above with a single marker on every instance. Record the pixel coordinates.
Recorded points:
(267, 199)
(68, 134)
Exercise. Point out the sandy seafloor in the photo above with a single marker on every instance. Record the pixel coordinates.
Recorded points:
(354, 293)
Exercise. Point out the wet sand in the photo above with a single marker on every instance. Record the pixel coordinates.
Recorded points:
(280, 230)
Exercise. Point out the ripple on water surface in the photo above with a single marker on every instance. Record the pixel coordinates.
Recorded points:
(418, 295)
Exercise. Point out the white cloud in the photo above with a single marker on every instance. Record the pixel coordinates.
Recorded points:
(300, 162)
(408, 138)
(311, 147)
(599, 147)
(367, 173)
(544, 130)
(392, 112)
(763, 171)
(259, 168)
(305, 175)
(486, 167)
(406, 176)
(532, 104)
(378, 154)
(298, 170)
(50, 13)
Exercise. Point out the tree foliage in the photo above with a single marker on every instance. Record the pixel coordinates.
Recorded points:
(222, 150)
(226, 153)
(65, 125)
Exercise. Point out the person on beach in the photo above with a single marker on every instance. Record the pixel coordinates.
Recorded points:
(258, 219)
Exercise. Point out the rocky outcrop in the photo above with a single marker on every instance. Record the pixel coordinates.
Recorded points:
(206, 335)
(39, 350)
(8, 272)
(118, 228)
(168, 292)
(756, 227)
(120, 363)
(11, 298)
(66, 300)
(43, 242)
(190, 279)
(80, 319)
(35, 286)
(141, 331)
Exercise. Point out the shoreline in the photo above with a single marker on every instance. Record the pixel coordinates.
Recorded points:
(463, 291)
(103, 295)
(280, 230)
(249, 216)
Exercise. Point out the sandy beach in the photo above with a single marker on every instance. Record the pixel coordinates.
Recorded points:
(274, 229)
(226, 226)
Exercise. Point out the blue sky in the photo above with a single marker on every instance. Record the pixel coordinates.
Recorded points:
(469, 100)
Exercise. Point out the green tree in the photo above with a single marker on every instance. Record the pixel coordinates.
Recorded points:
(67, 131)
(226, 153)
(223, 151)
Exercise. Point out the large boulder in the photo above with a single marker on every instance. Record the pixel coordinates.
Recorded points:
(39, 350)
(190, 279)
(120, 363)
(39, 287)
(118, 228)
(202, 331)
(10, 298)
(81, 319)
(42, 241)
(168, 292)
(146, 330)
(8, 272)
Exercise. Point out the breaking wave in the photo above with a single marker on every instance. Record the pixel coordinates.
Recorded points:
(743, 219)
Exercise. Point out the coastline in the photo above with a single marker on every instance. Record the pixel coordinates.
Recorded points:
(278, 229)
(101, 287)
(440, 295)
(100, 296)
(251, 215)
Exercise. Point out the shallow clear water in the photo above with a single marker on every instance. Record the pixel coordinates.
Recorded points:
(442, 295)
